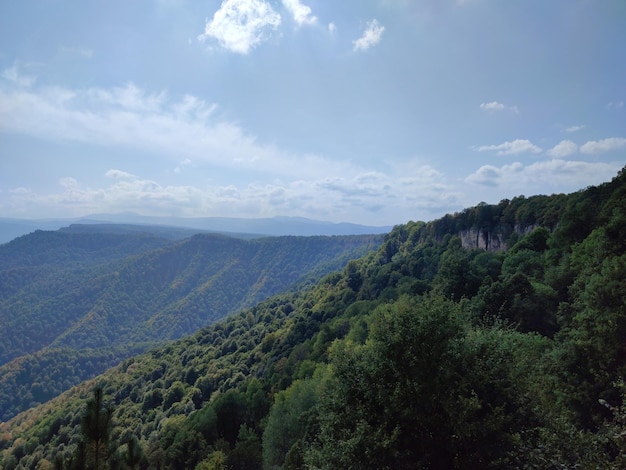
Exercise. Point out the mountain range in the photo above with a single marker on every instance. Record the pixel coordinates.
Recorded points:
(11, 228)
(490, 338)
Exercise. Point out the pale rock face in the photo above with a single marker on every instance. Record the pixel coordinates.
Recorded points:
(494, 240)
(484, 240)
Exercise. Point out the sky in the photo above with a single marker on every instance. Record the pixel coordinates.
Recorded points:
(366, 111)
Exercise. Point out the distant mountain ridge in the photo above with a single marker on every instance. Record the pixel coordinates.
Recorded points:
(11, 228)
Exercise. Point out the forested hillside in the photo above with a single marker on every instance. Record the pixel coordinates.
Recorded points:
(422, 354)
(75, 302)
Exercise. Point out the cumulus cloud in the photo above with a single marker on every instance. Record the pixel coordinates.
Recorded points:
(369, 197)
(371, 36)
(511, 148)
(604, 145)
(560, 174)
(487, 175)
(495, 106)
(301, 13)
(241, 25)
(563, 149)
(332, 28)
(124, 194)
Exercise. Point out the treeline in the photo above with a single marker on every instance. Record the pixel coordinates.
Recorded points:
(66, 291)
(419, 355)
(574, 215)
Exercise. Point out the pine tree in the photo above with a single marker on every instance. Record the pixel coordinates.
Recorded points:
(96, 429)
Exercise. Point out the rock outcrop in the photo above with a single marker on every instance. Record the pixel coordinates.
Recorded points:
(491, 240)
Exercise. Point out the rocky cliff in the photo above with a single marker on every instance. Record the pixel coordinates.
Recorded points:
(491, 240)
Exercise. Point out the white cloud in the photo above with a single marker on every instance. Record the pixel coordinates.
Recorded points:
(241, 25)
(124, 194)
(174, 128)
(301, 13)
(537, 177)
(511, 148)
(332, 28)
(563, 149)
(615, 105)
(68, 182)
(489, 175)
(495, 106)
(367, 196)
(492, 106)
(130, 97)
(575, 128)
(371, 36)
(604, 145)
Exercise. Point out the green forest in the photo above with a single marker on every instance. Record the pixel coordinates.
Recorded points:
(426, 352)
(75, 302)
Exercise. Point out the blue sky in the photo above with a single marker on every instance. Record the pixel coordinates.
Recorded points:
(366, 111)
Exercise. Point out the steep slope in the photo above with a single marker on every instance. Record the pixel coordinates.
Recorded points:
(41, 278)
(421, 354)
(168, 292)
(81, 292)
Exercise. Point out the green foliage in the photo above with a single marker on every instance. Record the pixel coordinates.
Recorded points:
(36, 378)
(458, 276)
(426, 390)
(66, 294)
(216, 461)
(596, 323)
(422, 354)
(96, 429)
(288, 421)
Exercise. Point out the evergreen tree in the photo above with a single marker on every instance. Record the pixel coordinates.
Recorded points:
(96, 430)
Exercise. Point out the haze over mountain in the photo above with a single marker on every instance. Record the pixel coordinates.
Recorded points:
(238, 227)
